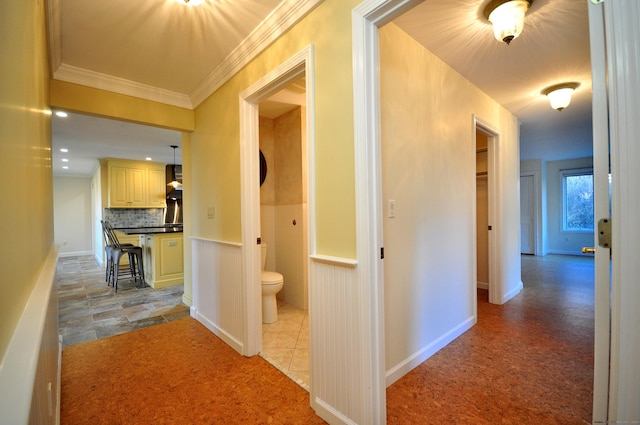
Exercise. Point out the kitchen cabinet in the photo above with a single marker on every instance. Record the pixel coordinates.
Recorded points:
(135, 184)
(163, 259)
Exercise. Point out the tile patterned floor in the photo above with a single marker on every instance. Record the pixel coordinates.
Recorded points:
(88, 309)
(285, 343)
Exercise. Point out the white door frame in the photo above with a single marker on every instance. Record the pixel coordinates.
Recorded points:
(601, 209)
(534, 175)
(495, 282)
(295, 67)
(617, 98)
(367, 17)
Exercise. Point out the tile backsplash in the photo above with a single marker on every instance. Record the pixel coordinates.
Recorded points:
(134, 217)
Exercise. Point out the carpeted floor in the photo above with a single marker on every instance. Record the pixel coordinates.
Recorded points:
(176, 373)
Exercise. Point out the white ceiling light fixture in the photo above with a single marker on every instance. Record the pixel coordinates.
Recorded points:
(507, 18)
(191, 2)
(61, 114)
(560, 94)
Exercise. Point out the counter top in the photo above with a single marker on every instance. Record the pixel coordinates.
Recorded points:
(150, 230)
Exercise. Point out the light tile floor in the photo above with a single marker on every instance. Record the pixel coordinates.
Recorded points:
(285, 343)
(88, 309)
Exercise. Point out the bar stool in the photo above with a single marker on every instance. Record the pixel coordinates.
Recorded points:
(117, 251)
(108, 248)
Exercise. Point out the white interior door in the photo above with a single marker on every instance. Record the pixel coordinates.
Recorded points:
(527, 215)
(615, 49)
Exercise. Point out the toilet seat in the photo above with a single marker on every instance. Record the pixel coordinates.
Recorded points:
(271, 278)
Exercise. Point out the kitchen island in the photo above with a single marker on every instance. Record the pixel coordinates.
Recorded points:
(163, 253)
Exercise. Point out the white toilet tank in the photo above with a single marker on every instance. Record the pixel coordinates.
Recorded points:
(263, 254)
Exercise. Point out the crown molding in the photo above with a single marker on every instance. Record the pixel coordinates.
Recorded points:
(54, 36)
(73, 74)
(287, 14)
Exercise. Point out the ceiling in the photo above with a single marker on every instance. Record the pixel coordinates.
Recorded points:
(162, 46)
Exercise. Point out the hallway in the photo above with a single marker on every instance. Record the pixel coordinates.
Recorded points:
(529, 361)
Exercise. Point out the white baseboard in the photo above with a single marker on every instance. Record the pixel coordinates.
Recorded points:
(483, 285)
(219, 332)
(329, 414)
(512, 293)
(187, 300)
(75, 253)
(424, 353)
(566, 252)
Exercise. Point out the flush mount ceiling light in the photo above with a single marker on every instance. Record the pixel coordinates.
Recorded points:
(507, 18)
(560, 94)
(191, 2)
(174, 182)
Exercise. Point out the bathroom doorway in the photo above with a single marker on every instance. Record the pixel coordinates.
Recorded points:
(283, 212)
(276, 131)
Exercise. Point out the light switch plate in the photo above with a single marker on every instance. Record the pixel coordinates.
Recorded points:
(391, 208)
(211, 212)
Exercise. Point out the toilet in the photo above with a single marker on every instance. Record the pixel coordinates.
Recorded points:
(272, 283)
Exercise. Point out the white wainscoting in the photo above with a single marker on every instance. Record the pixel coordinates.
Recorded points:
(30, 369)
(335, 317)
(218, 296)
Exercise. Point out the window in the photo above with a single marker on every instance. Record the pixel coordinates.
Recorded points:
(577, 194)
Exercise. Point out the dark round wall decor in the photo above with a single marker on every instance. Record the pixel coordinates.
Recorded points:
(263, 168)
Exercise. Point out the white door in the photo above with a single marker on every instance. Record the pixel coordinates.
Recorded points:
(527, 214)
(615, 49)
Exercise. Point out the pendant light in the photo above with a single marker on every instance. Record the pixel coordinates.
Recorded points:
(174, 183)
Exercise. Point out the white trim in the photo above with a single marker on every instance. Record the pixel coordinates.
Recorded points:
(217, 241)
(286, 15)
(602, 322)
(515, 291)
(54, 21)
(19, 365)
(298, 65)
(496, 286)
(622, 36)
(225, 336)
(85, 77)
(366, 19)
(481, 285)
(75, 254)
(280, 20)
(334, 261)
(424, 353)
(537, 198)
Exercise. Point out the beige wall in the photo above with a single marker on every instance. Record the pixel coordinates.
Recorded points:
(282, 203)
(26, 218)
(72, 214)
(428, 168)
(216, 140)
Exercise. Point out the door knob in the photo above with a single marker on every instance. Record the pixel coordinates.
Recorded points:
(588, 250)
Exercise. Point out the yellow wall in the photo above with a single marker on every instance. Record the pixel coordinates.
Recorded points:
(26, 216)
(79, 98)
(216, 140)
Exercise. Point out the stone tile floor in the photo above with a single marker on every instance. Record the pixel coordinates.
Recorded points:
(88, 309)
(285, 343)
